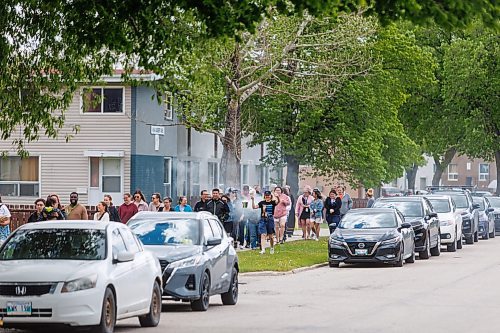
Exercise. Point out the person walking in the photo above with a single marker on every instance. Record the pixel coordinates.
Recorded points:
(114, 216)
(202, 204)
(183, 205)
(127, 209)
(266, 223)
(155, 205)
(244, 231)
(4, 222)
(38, 215)
(217, 207)
(317, 213)
(346, 201)
(303, 212)
(291, 219)
(51, 210)
(75, 211)
(237, 217)
(228, 224)
(280, 214)
(332, 207)
(371, 199)
(140, 201)
(102, 212)
(167, 205)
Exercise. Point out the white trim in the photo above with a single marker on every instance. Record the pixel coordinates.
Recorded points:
(103, 153)
(117, 78)
(102, 102)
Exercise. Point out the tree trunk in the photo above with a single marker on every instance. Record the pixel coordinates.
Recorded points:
(292, 174)
(411, 175)
(497, 160)
(442, 165)
(231, 154)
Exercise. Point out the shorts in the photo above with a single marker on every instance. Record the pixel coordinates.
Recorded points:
(278, 221)
(266, 225)
(317, 220)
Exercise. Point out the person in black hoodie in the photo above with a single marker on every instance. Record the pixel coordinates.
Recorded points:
(332, 210)
(217, 207)
(112, 210)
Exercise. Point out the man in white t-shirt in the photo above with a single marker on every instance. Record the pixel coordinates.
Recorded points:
(4, 222)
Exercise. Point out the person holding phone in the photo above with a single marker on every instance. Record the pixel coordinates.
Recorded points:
(266, 223)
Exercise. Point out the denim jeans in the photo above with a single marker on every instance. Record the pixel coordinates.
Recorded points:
(254, 234)
(241, 232)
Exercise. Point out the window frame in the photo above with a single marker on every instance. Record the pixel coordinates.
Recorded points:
(213, 176)
(453, 176)
(168, 106)
(101, 173)
(483, 176)
(167, 187)
(18, 183)
(245, 167)
(82, 94)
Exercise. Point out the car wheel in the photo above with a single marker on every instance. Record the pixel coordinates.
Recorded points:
(411, 259)
(231, 296)
(469, 239)
(453, 246)
(202, 303)
(425, 254)
(436, 250)
(333, 264)
(399, 263)
(476, 239)
(152, 319)
(108, 314)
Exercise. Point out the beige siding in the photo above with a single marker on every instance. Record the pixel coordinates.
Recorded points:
(63, 166)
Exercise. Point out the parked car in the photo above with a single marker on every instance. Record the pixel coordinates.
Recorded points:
(494, 203)
(486, 224)
(197, 258)
(468, 210)
(372, 235)
(78, 273)
(450, 221)
(481, 194)
(388, 191)
(418, 211)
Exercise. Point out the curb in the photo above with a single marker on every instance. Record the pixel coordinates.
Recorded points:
(293, 271)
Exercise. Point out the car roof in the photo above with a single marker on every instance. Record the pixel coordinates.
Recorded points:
(370, 211)
(437, 196)
(409, 198)
(171, 215)
(68, 224)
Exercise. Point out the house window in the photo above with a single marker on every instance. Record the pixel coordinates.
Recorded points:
(484, 171)
(167, 176)
(423, 183)
(102, 100)
(213, 174)
(264, 176)
(244, 174)
(195, 178)
(453, 172)
(19, 176)
(106, 174)
(168, 106)
(469, 166)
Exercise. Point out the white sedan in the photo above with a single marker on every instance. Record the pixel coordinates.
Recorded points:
(450, 221)
(78, 273)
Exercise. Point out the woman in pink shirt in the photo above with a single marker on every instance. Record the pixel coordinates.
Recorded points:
(280, 214)
(303, 212)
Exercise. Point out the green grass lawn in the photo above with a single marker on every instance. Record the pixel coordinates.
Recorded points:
(286, 257)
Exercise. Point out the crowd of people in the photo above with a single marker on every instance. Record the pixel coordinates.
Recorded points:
(251, 217)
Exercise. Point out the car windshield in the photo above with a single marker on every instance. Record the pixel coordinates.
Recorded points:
(167, 232)
(480, 202)
(58, 244)
(407, 208)
(441, 205)
(460, 200)
(494, 202)
(368, 221)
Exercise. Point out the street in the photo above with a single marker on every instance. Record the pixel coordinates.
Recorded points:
(456, 292)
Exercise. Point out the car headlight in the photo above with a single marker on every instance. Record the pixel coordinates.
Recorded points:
(445, 223)
(391, 241)
(84, 283)
(191, 261)
(336, 241)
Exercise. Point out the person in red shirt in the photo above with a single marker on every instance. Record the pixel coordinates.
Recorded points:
(127, 209)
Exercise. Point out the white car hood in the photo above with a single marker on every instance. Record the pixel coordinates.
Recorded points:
(46, 270)
(446, 217)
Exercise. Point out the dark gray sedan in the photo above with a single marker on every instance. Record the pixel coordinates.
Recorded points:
(196, 256)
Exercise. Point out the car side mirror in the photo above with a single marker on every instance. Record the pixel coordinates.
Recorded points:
(489, 210)
(475, 206)
(405, 225)
(212, 241)
(124, 256)
(433, 214)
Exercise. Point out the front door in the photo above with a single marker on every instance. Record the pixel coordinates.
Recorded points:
(106, 177)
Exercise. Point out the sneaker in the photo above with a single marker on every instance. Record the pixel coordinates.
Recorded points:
(282, 241)
(271, 251)
(316, 239)
(242, 247)
(262, 251)
(247, 246)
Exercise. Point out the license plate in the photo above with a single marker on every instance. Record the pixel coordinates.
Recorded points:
(361, 252)
(18, 308)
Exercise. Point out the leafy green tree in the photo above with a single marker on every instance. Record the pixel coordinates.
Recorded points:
(471, 89)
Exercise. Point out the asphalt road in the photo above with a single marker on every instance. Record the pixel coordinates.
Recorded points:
(456, 292)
